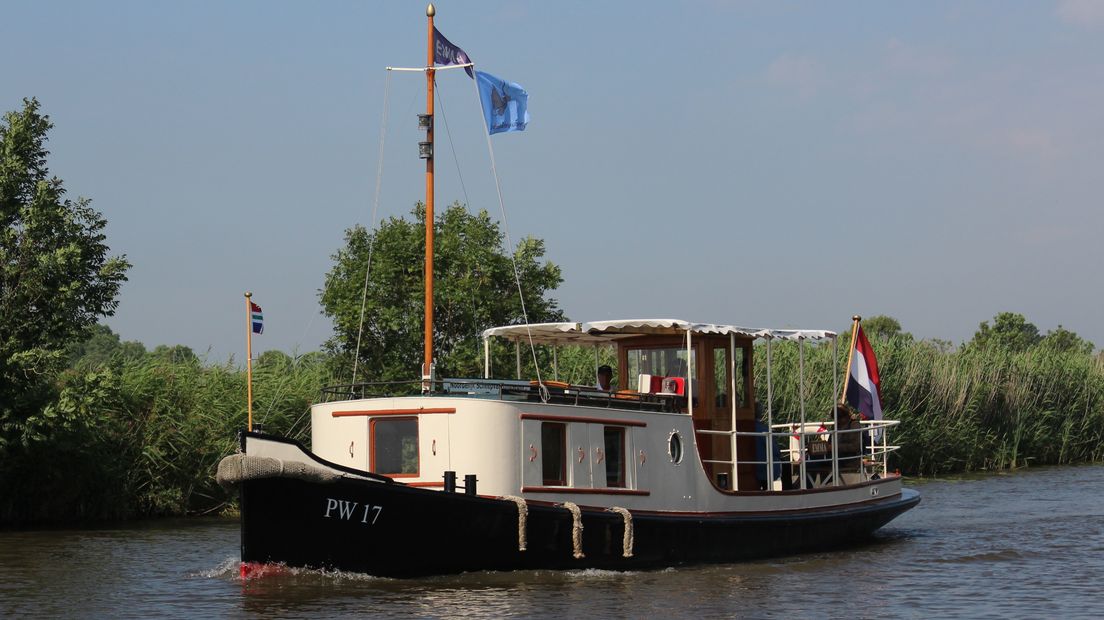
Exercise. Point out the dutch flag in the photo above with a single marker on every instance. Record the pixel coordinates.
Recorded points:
(864, 389)
(256, 318)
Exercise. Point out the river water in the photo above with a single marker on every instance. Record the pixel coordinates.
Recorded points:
(1028, 544)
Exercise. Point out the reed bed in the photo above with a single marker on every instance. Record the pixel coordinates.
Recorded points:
(142, 437)
(966, 410)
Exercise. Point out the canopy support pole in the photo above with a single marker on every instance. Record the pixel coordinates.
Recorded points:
(732, 409)
(801, 400)
(770, 421)
(689, 375)
(486, 358)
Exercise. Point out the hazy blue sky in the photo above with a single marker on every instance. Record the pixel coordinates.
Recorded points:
(760, 163)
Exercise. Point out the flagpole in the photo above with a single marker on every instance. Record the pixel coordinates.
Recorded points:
(249, 359)
(427, 367)
(850, 354)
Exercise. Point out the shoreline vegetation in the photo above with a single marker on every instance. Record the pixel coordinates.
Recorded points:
(136, 434)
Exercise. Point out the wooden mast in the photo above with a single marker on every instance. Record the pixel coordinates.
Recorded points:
(249, 359)
(850, 353)
(427, 366)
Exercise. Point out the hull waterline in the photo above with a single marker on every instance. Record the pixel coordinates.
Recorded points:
(396, 530)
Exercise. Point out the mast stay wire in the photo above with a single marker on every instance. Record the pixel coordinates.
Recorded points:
(286, 377)
(510, 246)
(452, 144)
(375, 211)
(463, 186)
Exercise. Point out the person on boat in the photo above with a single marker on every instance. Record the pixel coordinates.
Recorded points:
(605, 375)
(761, 451)
(849, 438)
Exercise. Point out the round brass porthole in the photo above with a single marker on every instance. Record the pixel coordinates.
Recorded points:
(674, 447)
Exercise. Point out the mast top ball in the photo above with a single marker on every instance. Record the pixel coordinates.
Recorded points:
(856, 318)
(430, 11)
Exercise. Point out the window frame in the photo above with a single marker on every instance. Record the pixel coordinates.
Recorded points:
(622, 473)
(372, 446)
(562, 480)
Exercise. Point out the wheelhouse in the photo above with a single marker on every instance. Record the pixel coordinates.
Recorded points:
(706, 371)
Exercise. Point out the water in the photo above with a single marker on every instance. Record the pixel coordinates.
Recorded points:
(1020, 545)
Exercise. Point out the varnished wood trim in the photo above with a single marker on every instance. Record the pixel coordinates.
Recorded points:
(440, 484)
(344, 414)
(570, 490)
(570, 418)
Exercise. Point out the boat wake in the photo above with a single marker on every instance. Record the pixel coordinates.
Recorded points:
(226, 569)
(231, 569)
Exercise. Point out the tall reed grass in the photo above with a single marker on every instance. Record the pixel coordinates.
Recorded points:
(143, 437)
(966, 410)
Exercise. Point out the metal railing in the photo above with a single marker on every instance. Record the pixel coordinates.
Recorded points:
(511, 390)
(811, 457)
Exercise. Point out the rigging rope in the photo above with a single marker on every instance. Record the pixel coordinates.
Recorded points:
(510, 245)
(463, 186)
(375, 211)
(452, 145)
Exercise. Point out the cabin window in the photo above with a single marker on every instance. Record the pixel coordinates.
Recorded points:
(615, 455)
(743, 363)
(658, 362)
(721, 384)
(394, 446)
(554, 454)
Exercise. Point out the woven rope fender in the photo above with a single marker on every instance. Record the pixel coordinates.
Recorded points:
(627, 541)
(237, 468)
(576, 530)
(523, 517)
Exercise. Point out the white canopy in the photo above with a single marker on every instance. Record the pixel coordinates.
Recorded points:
(597, 332)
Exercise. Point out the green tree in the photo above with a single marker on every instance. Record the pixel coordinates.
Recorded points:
(102, 346)
(1010, 331)
(883, 326)
(1065, 341)
(175, 354)
(56, 277)
(474, 288)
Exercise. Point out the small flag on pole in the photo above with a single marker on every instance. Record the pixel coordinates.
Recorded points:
(864, 389)
(505, 104)
(445, 53)
(257, 317)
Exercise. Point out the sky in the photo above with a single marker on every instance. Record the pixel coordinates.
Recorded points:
(770, 164)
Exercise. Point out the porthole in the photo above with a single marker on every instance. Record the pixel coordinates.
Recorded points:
(674, 447)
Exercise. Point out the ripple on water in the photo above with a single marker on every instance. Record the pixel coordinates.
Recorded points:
(1029, 544)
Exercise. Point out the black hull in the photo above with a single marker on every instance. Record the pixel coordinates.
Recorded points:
(401, 531)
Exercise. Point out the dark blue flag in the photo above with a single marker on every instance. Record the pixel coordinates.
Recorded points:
(504, 103)
(445, 53)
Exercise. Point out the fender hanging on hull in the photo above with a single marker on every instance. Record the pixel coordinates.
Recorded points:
(400, 531)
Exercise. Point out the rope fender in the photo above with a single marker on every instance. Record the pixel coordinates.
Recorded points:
(237, 468)
(627, 540)
(576, 530)
(523, 518)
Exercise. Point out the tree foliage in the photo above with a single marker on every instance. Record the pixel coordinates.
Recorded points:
(1063, 340)
(474, 288)
(56, 276)
(883, 326)
(101, 346)
(1010, 332)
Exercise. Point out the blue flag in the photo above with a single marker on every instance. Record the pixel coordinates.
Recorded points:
(445, 53)
(504, 103)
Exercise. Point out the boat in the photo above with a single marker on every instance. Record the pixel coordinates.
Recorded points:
(683, 465)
